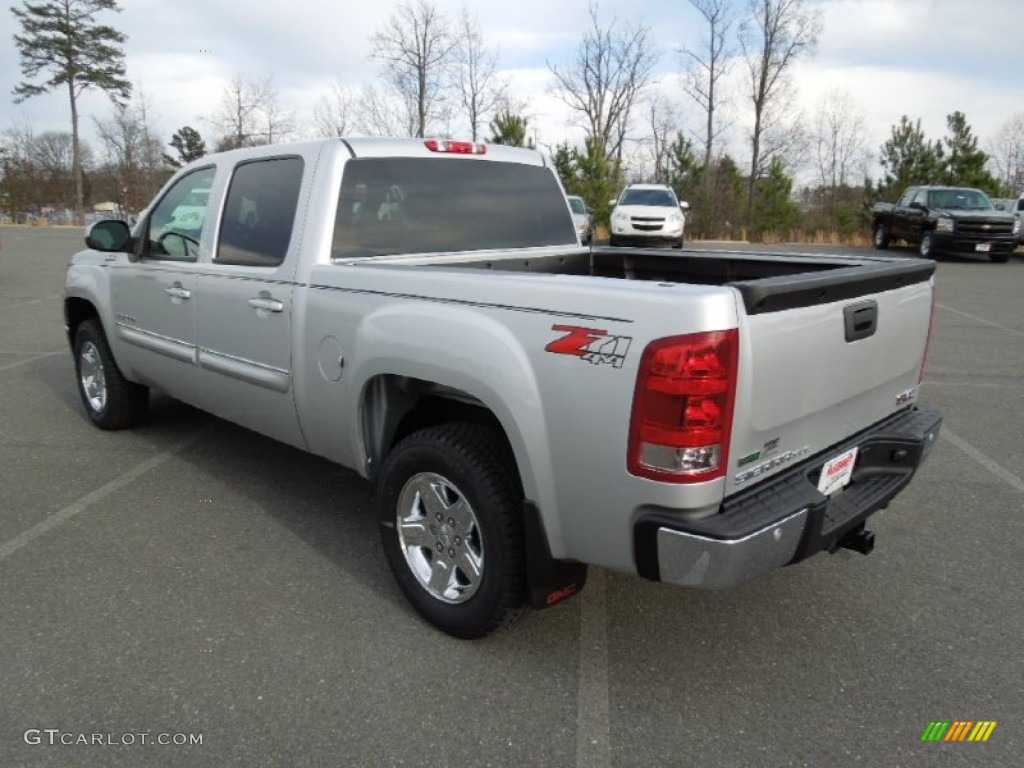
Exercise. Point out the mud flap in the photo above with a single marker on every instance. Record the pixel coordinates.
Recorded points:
(549, 581)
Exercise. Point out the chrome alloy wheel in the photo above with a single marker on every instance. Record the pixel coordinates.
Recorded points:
(440, 537)
(92, 376)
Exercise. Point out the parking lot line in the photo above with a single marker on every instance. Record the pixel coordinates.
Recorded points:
(61, 351)
(31, 301)
(1014, 331)
(8, 548)
(592, 717)
(989, 464)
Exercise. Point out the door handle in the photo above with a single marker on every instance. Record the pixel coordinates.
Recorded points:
(270, 305)
(178, 292)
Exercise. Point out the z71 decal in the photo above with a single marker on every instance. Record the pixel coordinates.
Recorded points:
(591, 344)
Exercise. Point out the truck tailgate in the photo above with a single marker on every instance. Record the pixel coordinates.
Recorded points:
(823, 357)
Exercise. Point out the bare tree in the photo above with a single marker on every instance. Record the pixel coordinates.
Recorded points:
(385, 112)
(481, 90)
(1007, 154)
(840, 145)
(416, 45)
(774, 35)
(133, 153)
(238, 117)
(663, 124)
(612, 69)
(334, 112)
(708, 66)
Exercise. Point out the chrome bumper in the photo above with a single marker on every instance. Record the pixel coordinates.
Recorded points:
(691, 560)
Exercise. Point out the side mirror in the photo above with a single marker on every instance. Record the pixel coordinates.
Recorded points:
(1000, 207)
(916, 205)
(110, 235)
(613, 203)
(684, 205)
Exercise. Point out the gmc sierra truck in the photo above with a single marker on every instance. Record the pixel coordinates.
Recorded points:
(956, 220)
(422, 312)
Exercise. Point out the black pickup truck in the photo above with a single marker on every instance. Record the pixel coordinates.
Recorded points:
(957, 220)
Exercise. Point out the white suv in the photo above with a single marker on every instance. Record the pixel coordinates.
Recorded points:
(648, 214)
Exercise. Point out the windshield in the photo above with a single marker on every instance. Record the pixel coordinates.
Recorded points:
(960, 199)
(648, 197)
(577, 206)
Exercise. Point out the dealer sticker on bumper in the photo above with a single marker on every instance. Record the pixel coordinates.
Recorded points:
(837, 472)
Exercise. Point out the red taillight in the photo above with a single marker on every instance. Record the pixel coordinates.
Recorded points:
(682, 408)
(455, 147)
(928, 340)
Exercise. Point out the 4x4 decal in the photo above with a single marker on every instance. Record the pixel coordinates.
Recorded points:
(591, 344)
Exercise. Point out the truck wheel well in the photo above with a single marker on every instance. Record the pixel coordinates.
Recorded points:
(396, 406)
(77, 311)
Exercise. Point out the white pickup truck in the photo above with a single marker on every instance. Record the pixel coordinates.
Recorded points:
(422, 312)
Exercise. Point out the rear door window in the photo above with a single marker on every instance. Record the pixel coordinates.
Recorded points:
(436, 205)
(259, 212)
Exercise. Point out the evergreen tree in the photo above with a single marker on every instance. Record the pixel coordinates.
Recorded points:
(686, 176)
(510, 129)
(597, 179)
(564, 162)
(189, 145)
(774, 210)
(908, 159)
(62, 39)
(964, 165)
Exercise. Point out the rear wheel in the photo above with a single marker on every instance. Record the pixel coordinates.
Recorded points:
(882, 238)
(450, 511)
(111, 401)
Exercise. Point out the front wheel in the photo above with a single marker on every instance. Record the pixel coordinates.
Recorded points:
(925, 248)
(1000, 258)
(679, 243)
(111, 401)
(450, 510)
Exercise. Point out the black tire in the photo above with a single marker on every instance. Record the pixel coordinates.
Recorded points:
(1000, 258)
(924, 248)
(470, 472)
(882, 237)
(110, 400)
(612, 241)
(679, 245)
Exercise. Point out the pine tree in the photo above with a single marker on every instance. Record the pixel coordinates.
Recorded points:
(189, 145)
(774, 210)
(908, 159)
(964, 165)
(510, 129)
(62, 39)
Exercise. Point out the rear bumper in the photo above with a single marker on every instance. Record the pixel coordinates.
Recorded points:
(786, 519)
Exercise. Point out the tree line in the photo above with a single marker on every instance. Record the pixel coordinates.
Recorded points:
(439, 77)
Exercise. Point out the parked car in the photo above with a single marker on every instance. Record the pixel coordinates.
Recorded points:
(646, 215)
(582, 218)
(957, 220)
(1016, 207)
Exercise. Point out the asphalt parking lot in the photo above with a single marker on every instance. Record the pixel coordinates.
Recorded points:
(190, 578)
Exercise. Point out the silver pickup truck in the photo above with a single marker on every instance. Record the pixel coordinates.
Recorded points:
(422, 312)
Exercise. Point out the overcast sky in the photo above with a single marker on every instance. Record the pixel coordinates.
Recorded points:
(922, 58)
